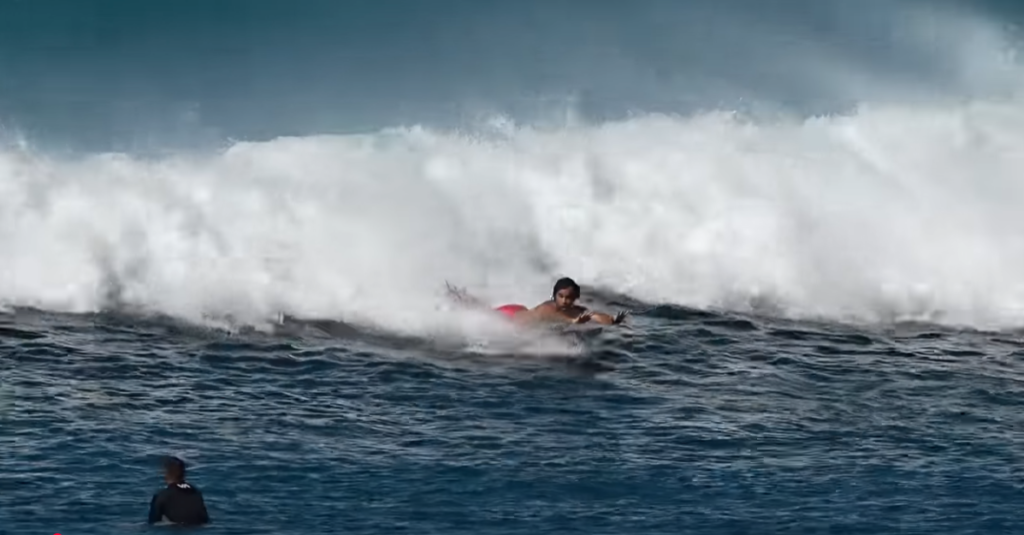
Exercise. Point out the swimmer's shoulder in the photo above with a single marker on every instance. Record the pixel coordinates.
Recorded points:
(546, 306)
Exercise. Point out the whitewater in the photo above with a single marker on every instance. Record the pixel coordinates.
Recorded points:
(897, 212)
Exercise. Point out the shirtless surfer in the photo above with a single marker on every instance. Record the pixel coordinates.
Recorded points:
(561, 308)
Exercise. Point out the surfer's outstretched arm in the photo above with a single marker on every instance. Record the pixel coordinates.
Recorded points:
(605, 319)
(548, 311)
(599, 317)
(462, 296)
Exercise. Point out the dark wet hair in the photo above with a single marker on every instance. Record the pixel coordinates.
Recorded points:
(563, 283)
(174, 467)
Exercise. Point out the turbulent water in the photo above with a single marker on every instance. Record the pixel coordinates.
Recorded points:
(226, 232)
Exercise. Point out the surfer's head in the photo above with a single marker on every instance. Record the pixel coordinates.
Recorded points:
(174, 470)
(566, 292)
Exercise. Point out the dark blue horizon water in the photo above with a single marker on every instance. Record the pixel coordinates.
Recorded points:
(701, 423)
(163, 75)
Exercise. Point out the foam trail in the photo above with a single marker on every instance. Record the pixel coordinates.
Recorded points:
(888, 213)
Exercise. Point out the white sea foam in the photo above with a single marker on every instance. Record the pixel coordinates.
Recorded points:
(887, 213)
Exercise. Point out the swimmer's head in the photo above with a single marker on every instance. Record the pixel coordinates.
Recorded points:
(565, 293)
(174, 470)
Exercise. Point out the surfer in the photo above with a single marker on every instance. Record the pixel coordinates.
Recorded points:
(178, 502)
(561, 308)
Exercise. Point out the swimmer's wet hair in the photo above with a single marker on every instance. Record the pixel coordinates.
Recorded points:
(563, 283)
(174, 467)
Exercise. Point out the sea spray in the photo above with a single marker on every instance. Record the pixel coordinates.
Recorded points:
(891, 212)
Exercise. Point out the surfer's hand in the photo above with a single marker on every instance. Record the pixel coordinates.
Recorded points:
(583, 318)
(620, 317)
(454, 291)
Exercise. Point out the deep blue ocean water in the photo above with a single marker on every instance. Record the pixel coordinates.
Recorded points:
(693, 423)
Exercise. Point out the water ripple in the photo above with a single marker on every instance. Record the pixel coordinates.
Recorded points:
(719, 424)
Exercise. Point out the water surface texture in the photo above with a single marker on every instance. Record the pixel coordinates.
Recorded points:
(718, 424)
(226, 230)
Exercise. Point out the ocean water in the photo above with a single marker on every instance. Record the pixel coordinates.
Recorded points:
(226, 231)
(711, 423)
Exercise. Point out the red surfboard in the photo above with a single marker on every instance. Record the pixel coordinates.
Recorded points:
(510, 310)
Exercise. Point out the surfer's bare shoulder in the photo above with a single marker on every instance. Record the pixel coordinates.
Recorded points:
(549, 311)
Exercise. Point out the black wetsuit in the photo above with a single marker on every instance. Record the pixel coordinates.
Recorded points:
(180, 503)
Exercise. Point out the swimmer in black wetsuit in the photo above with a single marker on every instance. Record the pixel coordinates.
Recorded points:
(178, 502)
